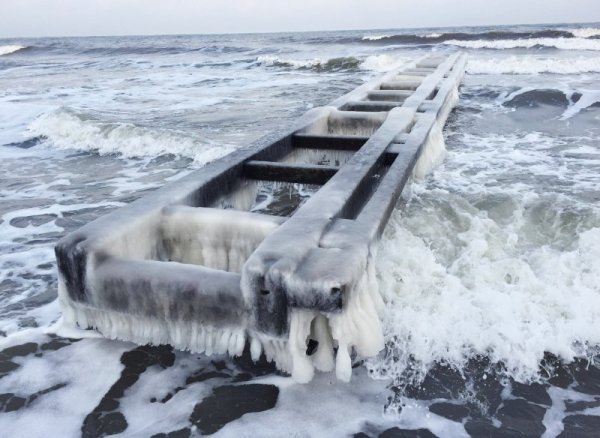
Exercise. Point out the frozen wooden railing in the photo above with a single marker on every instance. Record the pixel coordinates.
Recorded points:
(201, 265)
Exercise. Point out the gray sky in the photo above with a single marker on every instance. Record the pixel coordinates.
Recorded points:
(20, 18)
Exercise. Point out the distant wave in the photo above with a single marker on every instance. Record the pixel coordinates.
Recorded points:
(375, 37)
(382, 63)
(378, 63)
(150, 50)
(586, 32)
(534, 97)
(587, 38)
(557, 43)
(65, 129)
(7, 50)
(434, 38)
(573, 102)
(333, 64)
(528, 65)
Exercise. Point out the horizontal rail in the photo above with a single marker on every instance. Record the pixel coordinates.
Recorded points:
(394, 95)
(331, 142)
(371, 105)
(400, 85)
(293, 173)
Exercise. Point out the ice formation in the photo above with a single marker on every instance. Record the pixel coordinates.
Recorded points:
(193, 265)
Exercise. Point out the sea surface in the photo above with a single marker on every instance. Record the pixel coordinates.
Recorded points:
(490, 265)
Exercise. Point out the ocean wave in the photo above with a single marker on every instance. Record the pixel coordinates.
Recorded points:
(586, 32)
(528, 65)
(375, 37)
(530, 98)
(522, 263)
(151, 50)
(572, 101)
(377, 63)
(332, 64)
(12, 48)
(65, 129)
(557, 43)
(434, 38)
(382, 63)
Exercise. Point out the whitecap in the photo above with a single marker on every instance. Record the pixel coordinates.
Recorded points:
(65, 129)
(528, 65)
(11, 48)
(558, 43)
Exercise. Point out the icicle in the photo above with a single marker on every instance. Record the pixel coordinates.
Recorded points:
(323, 357)
(302, 366)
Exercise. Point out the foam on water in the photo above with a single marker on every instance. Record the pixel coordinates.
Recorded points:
(64, 375)
(530, 65)
(273, 60)
(375, 37)
(476, 268)
(382, 63)
(587, 99)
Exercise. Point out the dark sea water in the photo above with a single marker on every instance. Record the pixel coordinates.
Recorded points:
(490, 266)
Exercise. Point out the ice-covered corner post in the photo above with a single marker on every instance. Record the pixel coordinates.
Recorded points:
(330, 301)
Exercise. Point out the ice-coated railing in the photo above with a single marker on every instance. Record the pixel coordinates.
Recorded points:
(221, 258)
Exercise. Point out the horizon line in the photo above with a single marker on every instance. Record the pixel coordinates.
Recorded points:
(302, 31)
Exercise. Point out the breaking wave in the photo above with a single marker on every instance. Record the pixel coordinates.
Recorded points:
(528, 97)
(557, 43)
(586, 32)
(377, 63)
(333, 64)
(498, 270)
(529, 65)
(434, 38)
(382, 63)
(64, 129)
(7, 50)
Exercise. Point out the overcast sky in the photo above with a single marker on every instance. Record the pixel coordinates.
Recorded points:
(20, 18)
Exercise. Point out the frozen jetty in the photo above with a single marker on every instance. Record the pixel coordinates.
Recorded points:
(218, 258)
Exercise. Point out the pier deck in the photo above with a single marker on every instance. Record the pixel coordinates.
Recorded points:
(218, 258)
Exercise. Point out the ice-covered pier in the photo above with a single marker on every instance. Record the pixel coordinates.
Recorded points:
(273, 244)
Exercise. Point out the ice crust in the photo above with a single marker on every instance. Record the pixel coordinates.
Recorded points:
(151, 278)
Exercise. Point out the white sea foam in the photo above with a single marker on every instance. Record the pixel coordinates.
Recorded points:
(378, 63)
(382, 63)
(587, 99)
(559, 43)
(585, 32)
(534, 65)
(272, 60)
(7, 50)
(374, 37)
(502, 282)
(71, 368)
(65, 129)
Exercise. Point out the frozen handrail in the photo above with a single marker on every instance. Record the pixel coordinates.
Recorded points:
(201, 265)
